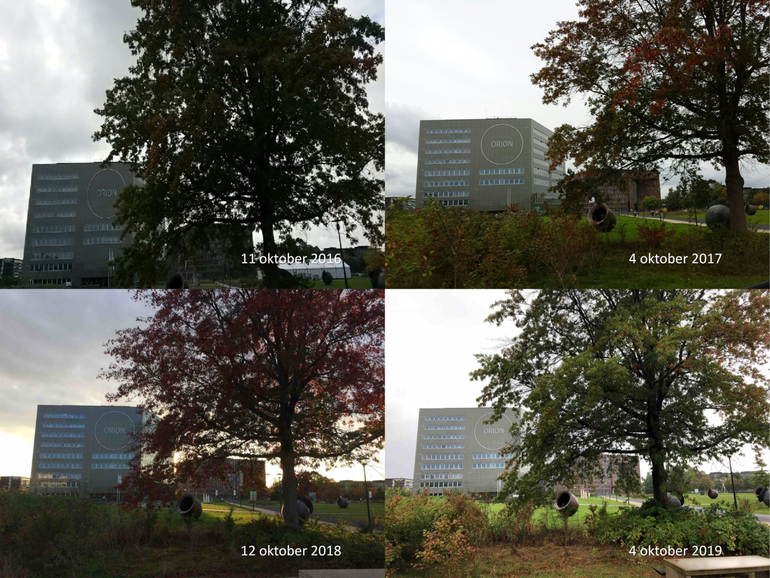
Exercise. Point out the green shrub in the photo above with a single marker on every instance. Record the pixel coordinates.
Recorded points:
(737, 532)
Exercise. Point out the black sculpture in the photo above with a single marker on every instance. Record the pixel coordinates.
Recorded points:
(176, 281)
(327, 278)
(602, 217)
(304, 509)
(566, 503)
(342, 502)
(189, 507)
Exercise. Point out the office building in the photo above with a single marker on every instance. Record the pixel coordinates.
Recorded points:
(627, 196)
(606, 483)
(10, 271)
(14, 483)
(457, 450)
(71, 237)
(84, 450)
(487, 165)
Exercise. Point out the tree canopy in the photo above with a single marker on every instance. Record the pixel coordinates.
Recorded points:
(679, 81)
(252, 114)
(290, 376)
(669, 376)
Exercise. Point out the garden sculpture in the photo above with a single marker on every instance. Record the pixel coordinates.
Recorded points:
(189, 507)
(602, 217)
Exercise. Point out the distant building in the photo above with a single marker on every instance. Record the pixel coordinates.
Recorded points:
(10, 270)
(246, 476)
(606, 484)
(84, 450)
(485, 164)
(399, 483)
(628, 196)
(12, 483)
(71, 237)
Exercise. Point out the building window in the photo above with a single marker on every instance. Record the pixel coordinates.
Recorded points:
(57, 177)
(62, 456)
(446, 183)
(501, 182)
(62, 215)
(63, 435)
(501, 171)
(47, 202)
(50, 267)
(446, 173)
(57, 189)
(65, 425)
(102, 227)
(442, 194)
(449, 162)
(449, 141)
(448, 131)
(53, 242)
(59, 466)
(112, 456)
(447, 151)
(101, 241)
(55, 229)
(110, 466)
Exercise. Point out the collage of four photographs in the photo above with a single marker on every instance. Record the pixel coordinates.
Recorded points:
(214, 212)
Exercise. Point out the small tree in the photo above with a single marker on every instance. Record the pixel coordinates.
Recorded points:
(761, 199)
(651, 203)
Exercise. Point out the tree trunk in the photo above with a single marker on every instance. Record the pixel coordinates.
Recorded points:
(289, 486)
(269, 248)
(658, 477)
(734, 186)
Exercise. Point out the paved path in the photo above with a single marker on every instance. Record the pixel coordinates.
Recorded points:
(683, 220)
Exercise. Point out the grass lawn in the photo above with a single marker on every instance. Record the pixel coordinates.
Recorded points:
(727, 499)
(761, 217)
(354, 511)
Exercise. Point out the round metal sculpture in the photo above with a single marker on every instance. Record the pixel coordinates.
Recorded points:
(718, 215)
(566, 503)
(673, 501)
(713, 494)
(716, 202)
(377, 277)
(602, 217)
(342, 503)
(189, 507)
(304, 509)
(750, 210)
(327, 278)
(763, 495)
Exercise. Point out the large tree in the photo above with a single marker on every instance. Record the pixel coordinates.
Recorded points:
(678, 81)
(291, 376)
(670, 376)
(251, 113)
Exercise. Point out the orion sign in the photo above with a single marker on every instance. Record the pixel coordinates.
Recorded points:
(113, 430)
(492, 436)
(103, 191)
(502, 144)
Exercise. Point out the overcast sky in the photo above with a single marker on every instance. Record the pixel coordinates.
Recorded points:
(456, 59)
(57, 59)
(51, 351)
(432, 338)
